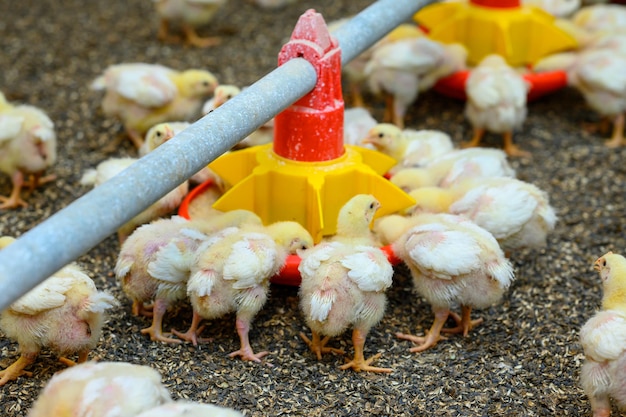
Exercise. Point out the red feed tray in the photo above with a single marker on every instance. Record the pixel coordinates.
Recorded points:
(541, 84)
(289, 274)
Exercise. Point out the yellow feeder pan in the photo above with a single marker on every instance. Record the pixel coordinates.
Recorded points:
(307, 174)
(521, 34)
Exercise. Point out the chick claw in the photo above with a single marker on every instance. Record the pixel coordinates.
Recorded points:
(423, 342)
(247, 354)
(464, 323)
(364, 365)
(319, 347)
(155, 334)
(16, 370)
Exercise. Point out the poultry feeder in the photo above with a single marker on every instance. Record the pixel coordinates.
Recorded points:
(521, 34)
(307, 174)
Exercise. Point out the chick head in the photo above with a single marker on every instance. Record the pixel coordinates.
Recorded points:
(355, 216)
(389, 228)
(385, 137)
(291, 236)
(196, 83)
(158, 135)
(612, 270)
(225, 92)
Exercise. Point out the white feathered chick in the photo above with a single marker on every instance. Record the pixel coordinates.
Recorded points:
(189, 14)
(344, 280)
(142, 95)
(64, 313)
(600, 77)
(603, 338)
(409, 147)
(400, 70)
(101, 389)
(496, 102)
(155, 261)
(27, 148)
(232, 272)
(518, 214)
(454, 167)
(452, 261)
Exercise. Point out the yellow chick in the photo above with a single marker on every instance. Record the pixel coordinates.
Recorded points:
(232, 274)
(452, 261)
(154, 262)
(399, 70)
(496, 102)
(101, 389)
(189, 409)
(600, 77)
(189, 14)
(454, 167)
(603, 338)
(142, 95)
(222, 94)
(64, 313)
(160, 133)
(344, 279)
(409, 147)
(165, 205)
(27, 148)
(518, 214)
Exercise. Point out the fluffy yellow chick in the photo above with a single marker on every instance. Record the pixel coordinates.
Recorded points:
(165, 205)
(454, 167)
(232, 274)
(189, 14)
(101, 389)
(452, 261)
(400, 70)
(27, 148)
(518, 214)
(189, 409)
(343, 283)
(154, 262)
(600, 77)
(64, 313)
(143, 95)
(411, 148)
(603, 338)
(496, 102)
(222, 94)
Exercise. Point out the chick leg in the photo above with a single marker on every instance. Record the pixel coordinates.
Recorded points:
(600, 405)
(140, 309)
(164, 32)
(359, 363)
(617, 139)
(357, 96)
(388, 114)
(17, 368)
(476, 138)
(246, 352)
(192, 38)
(155, 330)
(191, 335)
(83, 355)
(464, 322)
(318, 346)
(135, 137)
(512, 149)
(398, 113)
(14, 200)
(432, 337)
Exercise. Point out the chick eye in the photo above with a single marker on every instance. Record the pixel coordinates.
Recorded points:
(603, 262)
(372, 205)
(381, 135)
(205, 83)
(304, 247)
(159, 134)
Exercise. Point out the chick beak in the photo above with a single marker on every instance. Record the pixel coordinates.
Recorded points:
(368, 141)
(596, 264)
(169, 134)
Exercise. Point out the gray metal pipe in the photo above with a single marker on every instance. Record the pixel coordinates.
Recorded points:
(77, 228)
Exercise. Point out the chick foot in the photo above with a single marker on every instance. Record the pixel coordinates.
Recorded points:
(156, 329)
(191, 335)
(246, 353)
(17, 368)
(192, 38)
(432, 336)
(82, 357)
(318, 346)
(617, 139)
(464, 322)
(140, 309)
(359, 363)
(512, 149)
(14, 200)
(476, 139)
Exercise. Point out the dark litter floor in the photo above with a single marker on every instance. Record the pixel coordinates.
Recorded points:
(524, 360)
